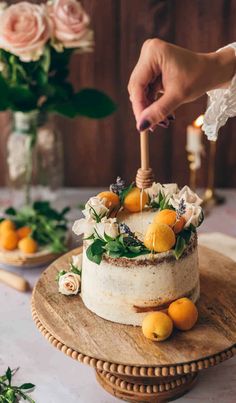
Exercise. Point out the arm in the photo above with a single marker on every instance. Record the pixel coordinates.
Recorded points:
(178, 74)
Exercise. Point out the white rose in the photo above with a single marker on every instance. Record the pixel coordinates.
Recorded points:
(84, 226)
(95, 207)
(192, 215)
(169, 189)
(76, 261)
(69, 283)
(187, 195)
(108, 226)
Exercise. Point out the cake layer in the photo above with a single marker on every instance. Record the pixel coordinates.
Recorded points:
(124, 290)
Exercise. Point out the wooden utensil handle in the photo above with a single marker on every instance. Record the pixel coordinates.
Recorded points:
(144, 145)
(14, 280)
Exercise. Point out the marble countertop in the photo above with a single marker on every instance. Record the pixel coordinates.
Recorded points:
(60, 379)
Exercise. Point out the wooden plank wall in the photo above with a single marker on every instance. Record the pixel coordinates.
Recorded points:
(97, 151)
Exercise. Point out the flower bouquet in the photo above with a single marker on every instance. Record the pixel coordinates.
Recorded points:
(37, 42)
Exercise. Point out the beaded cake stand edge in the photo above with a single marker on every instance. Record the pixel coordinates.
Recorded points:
(140, 384)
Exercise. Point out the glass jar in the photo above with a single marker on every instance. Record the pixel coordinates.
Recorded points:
(34, 156)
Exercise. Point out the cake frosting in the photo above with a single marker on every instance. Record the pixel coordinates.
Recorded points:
(123, 289)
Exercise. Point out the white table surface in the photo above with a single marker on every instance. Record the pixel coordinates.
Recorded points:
(58, 378)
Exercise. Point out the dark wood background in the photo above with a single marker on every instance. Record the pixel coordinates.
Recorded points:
(97, 151)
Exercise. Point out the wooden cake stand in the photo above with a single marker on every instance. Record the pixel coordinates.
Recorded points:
(128, 365)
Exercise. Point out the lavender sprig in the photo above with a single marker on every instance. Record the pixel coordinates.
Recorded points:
(118, 187)
(181, 209)
(131, 238)
(125, 229)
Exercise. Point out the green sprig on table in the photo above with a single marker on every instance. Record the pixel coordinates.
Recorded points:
(49, 226)
(10, 393)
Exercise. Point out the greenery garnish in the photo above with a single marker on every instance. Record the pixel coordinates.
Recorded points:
(162, 204)
(122, 246)
(49, 226)
(10, 393)
(73, 269)
(182, 240)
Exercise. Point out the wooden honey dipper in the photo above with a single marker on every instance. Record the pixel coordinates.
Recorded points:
(144, 177)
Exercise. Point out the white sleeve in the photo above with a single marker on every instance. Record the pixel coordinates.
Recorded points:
(221, 106)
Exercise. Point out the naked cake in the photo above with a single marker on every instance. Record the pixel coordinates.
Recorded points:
(139, 251)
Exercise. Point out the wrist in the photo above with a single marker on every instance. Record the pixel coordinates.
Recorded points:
(223, 67)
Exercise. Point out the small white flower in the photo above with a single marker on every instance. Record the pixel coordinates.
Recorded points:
(84, 226)
(169, 189)
(69, 283)
(154, 191)
(95, 207)
(108, 226)
(187, 195)
(76, 261)
(192, 215)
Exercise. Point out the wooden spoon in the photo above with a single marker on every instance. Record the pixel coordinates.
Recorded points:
(14, 280)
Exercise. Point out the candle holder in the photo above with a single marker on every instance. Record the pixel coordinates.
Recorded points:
(193, 171)
(210, 197)
(194, 149)
(145, 176)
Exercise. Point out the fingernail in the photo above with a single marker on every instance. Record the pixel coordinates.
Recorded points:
(145, 124)
(164, 123)
(171, 117)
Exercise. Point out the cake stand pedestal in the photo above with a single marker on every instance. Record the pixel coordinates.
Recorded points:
(128, 365)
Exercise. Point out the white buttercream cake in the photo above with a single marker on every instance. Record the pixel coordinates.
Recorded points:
(122, 277)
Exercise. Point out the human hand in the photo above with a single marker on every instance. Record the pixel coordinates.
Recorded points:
(178, 75)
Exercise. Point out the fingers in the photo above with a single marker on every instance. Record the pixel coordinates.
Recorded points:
(142, 76)
(159, 111)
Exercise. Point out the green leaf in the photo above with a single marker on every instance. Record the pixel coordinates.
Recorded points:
(125, 192)
(75, 269)
(9, 375)
(10, 211)
(95, 251)
(201, 219)
(113, 246)
(59, 274)
(22, 98)
(186, 235)
(4, 91)
(107, 238)
(134, 249)
(27, 386)
(179, 247)
(88, 102)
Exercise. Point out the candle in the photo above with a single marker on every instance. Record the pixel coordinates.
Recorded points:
(194, 136)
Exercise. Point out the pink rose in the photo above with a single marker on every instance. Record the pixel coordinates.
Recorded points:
(70, 25)
(24, 30)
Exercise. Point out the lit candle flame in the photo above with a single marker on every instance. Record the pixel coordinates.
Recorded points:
(199, 121)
